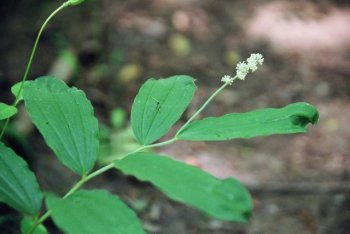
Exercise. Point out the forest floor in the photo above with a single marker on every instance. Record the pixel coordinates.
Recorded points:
(299, 183)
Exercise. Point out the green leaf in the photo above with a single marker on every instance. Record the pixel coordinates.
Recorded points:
(27, 225)
(118, 118)
(116, 146)
(158, 105)
(15, 90)
(65, 118)
(292, 118)
(91, 212)
(18, 185)
(223, 199)
(75, 2)
(6, 111)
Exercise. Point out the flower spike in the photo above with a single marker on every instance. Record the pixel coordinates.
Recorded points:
(251, 65)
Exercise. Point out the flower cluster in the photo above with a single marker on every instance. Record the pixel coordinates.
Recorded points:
(251, 65)
(227, 79)
(243, 68)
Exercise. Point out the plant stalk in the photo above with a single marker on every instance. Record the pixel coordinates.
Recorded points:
(200, 109)
(30, 61)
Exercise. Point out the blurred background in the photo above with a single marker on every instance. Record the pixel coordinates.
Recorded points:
(108, 48)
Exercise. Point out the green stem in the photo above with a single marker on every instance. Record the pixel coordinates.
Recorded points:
(4, 128)
(30, 61)
(151, 146)
(200, 109)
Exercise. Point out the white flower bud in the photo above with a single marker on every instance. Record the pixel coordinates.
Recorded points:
(251, 65)
(242, 69)
(227, 79)
(254, 60)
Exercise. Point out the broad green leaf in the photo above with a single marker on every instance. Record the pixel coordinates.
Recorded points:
(158, 105)
(6, 111)
(27, 225)
(65, 118)
(223, 199)
(18, 185)
(292, 118)
(91, 212)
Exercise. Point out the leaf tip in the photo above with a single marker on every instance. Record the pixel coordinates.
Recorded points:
(308, 114)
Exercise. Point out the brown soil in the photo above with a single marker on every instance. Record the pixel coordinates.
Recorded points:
(300, 183)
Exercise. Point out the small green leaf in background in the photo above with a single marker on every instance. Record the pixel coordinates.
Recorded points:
(65, 65)
(129, 73)
(158, 105)
(223, 199)
(91, 212)
(65, 118)
(180, 45)
(292, 118)
(27, 225)
(6, 111)
(118, 144)
(15, 91)
(118, 118)
(18, 185)
(75, 2)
